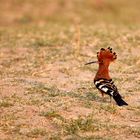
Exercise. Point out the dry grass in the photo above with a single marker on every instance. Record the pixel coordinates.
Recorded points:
(46, 91)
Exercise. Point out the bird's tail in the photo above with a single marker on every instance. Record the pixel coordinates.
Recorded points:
(119, 100)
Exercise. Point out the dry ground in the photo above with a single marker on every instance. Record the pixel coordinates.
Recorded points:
(46, 91)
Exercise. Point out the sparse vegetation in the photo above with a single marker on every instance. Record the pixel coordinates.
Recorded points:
(5, 103)
(110, 108)
(51, 114)
(46, 91)
(37, 132)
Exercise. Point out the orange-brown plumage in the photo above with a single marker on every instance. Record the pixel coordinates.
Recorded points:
(105, 57)
(102, 80)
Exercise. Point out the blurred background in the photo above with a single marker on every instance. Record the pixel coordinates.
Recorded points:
(40, 12)
(46, 91)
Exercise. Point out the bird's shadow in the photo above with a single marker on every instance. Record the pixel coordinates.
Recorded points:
(96, 97)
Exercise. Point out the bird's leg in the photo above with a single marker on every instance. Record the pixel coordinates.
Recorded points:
(110, 99)
(103, 96)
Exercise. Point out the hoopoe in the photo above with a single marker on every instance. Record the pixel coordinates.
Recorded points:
(102, 79)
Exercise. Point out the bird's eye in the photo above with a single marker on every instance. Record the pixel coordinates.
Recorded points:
(101, 61)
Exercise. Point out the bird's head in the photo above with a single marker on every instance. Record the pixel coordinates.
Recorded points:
(105, 56)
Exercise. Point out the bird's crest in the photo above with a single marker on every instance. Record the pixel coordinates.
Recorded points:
(106, 54)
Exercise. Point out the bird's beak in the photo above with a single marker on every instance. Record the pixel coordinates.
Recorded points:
(91, 62)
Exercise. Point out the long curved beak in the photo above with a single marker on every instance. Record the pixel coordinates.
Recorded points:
(91, 62)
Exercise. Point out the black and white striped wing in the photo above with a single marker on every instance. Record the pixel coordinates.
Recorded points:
(106, 86)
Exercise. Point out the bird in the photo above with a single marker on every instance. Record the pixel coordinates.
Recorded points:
(102, 79)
